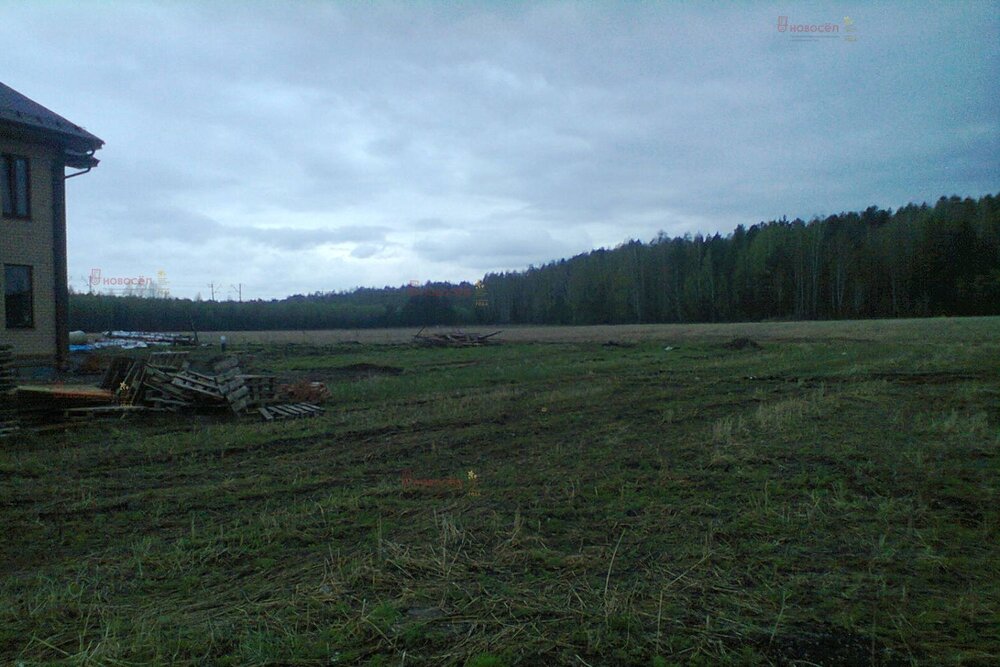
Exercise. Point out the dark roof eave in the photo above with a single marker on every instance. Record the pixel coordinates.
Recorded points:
(80, 161)
(72, 144)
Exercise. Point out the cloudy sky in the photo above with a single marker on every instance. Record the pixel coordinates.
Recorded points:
(294, 147)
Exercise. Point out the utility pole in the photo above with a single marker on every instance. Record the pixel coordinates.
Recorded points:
(211, 286)
(239, 291)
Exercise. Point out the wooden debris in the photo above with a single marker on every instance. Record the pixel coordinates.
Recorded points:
(261, 389)
(454, 339)
(177, 361)
(289, 411)
(43, 404)
(105, 410)
(304, 392)
(116, 372)
(161, 382)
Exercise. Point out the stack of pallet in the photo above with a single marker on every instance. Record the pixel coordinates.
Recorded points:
(8, 411)
(173, 361)
(454, 339)
(232, 386)
(262, 389)
(165, 381)
(180, 388)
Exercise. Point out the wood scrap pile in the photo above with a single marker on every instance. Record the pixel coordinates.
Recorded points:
(453, 339)
(262, 388)
(309, 392)
(39, 405)
(8, 409)
(165, 381)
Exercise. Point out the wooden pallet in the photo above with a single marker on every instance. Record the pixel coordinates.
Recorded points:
(177, 361)
(116, 372)
(231, 384)
(263, 389)
(289, 411)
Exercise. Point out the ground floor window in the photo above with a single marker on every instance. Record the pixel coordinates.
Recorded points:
(18, 301)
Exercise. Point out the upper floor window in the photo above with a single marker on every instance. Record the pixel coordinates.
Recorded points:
(15, 186)
(19, 306)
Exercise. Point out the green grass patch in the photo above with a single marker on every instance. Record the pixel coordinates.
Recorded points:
(826, 499)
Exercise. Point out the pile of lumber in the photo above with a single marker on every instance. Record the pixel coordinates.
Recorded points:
(261, 389)
(39, 405)
(453, 339)
(165, 381)
(8, 411)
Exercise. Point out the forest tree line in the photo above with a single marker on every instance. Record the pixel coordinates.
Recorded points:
(917, 261)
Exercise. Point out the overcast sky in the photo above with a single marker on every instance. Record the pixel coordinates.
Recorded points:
(315, 146)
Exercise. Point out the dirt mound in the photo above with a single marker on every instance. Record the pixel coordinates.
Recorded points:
(742, 344)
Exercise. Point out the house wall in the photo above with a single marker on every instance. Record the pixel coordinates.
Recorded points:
(33, 242)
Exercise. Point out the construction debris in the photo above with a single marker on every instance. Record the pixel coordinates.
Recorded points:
(305, 391)
(454, 339)
(162, 382)
(289, 411)
(43, 404)
(166, 381)
(8, 409)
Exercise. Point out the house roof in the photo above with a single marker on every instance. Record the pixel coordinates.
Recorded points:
(25, 113)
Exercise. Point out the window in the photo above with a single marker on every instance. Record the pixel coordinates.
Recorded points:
(15, 187)
(19, 306)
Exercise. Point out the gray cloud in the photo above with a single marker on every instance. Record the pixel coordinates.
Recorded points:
(296, 147)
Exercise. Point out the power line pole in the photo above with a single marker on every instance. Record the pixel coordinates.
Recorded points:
(211, 286)
(239, 291)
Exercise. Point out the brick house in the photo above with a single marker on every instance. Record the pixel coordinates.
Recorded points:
(36, 147)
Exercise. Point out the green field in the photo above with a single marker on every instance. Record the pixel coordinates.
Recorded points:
(832, 498)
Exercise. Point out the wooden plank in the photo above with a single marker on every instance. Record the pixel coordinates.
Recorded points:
(238, 394)
(200, 389)
(283, 410)
(226, 364)
(200, 378)
(232, 387)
